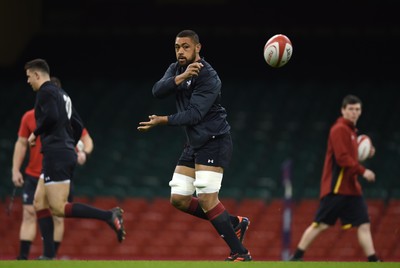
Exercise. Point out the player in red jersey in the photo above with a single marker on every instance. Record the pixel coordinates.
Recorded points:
(341, 195)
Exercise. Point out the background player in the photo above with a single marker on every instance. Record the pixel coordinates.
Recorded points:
(30, 179)
(341, 193)
(59, 127)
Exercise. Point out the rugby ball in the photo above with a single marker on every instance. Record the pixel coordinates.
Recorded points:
(364, 147)
(278, 50)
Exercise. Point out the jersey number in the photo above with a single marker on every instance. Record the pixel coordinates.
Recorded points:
(68, 105)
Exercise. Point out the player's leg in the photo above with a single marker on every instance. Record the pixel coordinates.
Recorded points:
(307, 238)
(57, 195)
(27, 231)
(59, 223)
(365, 239)
(44, 219)
(58, 232)
(326, 216)
(208, 183)
(356, 214)
(57, 191)
(182, 191)
(210, 161)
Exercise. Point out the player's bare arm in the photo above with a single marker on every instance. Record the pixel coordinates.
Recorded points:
(154, 120)
(32, 139)
(18, 158)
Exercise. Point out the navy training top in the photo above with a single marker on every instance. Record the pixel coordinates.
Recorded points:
(58, 123)
(197, 102)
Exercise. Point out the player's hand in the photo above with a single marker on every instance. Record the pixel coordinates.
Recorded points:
(369, 175)
(154, 120)
(32, 139)
(17, 178)
(372, 152)
(193, 69)
(81, 157)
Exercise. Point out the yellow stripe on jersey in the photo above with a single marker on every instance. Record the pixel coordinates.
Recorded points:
(339, 181)
(347, 226)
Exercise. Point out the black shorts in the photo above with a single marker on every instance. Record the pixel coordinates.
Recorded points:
(58, 165)
(351, 210)
(215, 152)
(29, 188)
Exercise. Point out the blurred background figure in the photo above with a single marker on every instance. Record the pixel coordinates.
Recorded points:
(29, 178)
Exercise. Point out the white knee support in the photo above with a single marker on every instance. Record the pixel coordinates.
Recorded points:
(182, 184)
(207, 182)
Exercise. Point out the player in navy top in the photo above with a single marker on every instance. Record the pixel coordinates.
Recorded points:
(59, 128)
(197, 89)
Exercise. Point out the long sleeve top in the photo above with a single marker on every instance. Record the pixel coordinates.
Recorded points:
(341, 167)
(197, 101)
(58, 124)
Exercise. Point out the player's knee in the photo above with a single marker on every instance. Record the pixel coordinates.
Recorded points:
(182, 185)
(29, 214)
(58, 221)
(207, 182)
(57, 210)
(38, 204)
(180, 202)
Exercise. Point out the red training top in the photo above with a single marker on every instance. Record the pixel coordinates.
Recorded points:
(341, 167)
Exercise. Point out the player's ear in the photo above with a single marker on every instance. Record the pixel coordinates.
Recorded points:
(198, 48)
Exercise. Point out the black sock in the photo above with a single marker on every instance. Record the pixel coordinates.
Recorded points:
(79, 210)
(56, 246)
(46, 227)
(298, 254)
(219, 218)
(24, 248)
(373, 258)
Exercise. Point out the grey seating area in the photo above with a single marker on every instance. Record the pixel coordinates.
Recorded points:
(272, 121)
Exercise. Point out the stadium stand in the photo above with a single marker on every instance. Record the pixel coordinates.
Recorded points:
(156, 230)
(275, 115)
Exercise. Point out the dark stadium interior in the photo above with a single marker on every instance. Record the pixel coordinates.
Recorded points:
(109, 53)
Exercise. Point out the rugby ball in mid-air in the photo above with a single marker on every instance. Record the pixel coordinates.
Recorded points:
(278, 50)
(364, 147)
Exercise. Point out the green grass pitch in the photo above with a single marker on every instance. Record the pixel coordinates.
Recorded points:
(191, 264)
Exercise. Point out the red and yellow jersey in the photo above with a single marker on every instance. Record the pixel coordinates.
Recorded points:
(341, 167)
(27, 126)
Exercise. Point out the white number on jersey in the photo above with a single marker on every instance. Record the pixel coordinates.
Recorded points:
(68, 106)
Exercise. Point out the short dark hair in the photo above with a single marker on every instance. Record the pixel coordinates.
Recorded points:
(350, 99)
(189, 33)
(38, 64)
(55, 81)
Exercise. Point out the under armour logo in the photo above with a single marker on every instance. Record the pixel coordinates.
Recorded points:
(210, 161)
(188, 82)
(47, 178)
